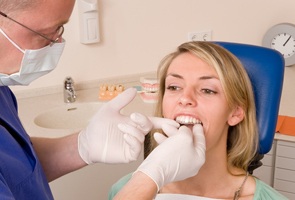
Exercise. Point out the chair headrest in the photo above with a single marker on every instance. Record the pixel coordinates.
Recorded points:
(265, 68)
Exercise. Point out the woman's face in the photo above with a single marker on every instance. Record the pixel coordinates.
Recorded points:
(193, 94)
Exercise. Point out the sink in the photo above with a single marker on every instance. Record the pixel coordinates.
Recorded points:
(70, 116)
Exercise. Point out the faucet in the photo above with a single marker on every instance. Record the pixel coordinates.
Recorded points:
(69, 90)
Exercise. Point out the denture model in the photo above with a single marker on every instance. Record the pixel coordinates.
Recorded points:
(150, 87)
(107, 92)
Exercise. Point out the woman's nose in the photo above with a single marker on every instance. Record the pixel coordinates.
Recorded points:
(188, 99)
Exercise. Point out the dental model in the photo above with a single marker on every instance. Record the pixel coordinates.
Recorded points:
(150, 87)
(107, 92)
(149, 84)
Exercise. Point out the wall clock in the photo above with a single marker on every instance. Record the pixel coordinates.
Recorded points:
(281, 37)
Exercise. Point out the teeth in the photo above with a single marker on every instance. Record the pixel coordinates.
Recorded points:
(187, 120)
(150, 89)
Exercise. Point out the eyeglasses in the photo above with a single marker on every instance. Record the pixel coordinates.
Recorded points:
(58, 33)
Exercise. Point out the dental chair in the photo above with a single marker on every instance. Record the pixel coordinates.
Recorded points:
(265, 68)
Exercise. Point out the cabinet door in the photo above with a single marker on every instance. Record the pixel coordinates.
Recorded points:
(284, 176)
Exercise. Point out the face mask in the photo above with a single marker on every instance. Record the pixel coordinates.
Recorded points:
(35, 63)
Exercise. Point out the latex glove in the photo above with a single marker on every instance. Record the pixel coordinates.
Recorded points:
(142, 125)
(177, 157)
(102, 141)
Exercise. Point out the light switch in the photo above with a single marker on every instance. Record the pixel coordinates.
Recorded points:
(88, 21)
(91, 29)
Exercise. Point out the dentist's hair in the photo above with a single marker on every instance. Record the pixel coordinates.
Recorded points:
(242, 143)
(14, 5)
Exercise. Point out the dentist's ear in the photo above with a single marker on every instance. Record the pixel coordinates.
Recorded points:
(236, 116)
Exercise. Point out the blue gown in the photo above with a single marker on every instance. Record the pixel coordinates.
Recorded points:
(21, 174)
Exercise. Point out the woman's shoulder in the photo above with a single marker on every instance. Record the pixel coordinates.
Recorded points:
(264, 191)
(119, 185)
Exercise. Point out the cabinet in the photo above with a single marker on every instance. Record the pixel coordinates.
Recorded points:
(284, 173)
(278, 169)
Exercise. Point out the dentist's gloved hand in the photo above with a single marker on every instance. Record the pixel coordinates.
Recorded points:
(102, 141)
(177, 157)
(142, 125)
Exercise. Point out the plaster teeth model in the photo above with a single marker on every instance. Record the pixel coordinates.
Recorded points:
(149, 84)
(150, 87)
(186, 120)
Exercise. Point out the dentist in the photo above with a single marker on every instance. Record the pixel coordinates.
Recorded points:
(31, 44)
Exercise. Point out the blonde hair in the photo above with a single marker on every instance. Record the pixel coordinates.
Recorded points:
(242, 143)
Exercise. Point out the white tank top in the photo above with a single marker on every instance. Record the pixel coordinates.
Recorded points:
(180, 197)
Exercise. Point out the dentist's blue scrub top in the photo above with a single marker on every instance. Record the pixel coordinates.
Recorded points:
(21, 174)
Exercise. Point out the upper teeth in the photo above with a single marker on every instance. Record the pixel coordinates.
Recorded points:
(187, 120)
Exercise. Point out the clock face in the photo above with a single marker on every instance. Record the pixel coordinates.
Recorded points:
(281, 37)
(284, 43)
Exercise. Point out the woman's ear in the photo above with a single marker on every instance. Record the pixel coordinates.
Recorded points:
(236, 116)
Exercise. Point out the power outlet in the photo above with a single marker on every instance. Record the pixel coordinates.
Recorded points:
(200, 36)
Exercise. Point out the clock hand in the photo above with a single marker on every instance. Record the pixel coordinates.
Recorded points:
(287, 41)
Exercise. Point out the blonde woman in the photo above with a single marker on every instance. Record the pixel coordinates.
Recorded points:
(202, 83)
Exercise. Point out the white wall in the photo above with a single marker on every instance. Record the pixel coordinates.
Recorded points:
(135, 35)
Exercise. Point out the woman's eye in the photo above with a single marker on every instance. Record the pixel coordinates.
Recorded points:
(208, 91)
(173, 88)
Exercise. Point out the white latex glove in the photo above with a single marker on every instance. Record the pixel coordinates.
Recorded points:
(102, 141)
(142, 125)
(177, 157)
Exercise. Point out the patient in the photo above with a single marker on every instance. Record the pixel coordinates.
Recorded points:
(204, 83)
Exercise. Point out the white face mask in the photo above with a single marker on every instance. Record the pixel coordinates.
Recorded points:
(35, 63)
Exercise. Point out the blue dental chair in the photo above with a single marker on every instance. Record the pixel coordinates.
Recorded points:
(265, 68)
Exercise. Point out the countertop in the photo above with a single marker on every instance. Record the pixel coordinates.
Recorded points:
(33, 102)
(29, 108)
